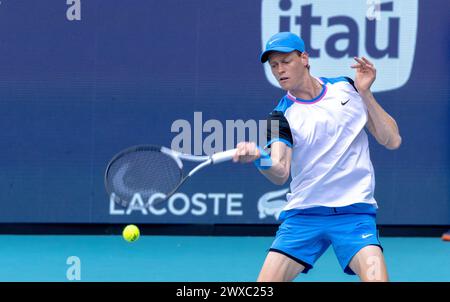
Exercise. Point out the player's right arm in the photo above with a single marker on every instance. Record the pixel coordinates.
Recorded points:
(280, 140)
(280, 158)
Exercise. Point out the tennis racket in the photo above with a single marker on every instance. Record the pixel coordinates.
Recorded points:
(147, 170)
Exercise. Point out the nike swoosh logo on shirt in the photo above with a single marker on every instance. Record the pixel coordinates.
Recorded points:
(366, 236)
(343, 103)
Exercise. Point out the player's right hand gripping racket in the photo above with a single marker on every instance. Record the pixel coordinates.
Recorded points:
(149, 170)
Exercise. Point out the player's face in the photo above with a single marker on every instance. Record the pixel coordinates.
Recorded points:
(288, 69)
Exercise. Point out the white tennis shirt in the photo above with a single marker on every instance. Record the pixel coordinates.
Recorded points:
(330, 163)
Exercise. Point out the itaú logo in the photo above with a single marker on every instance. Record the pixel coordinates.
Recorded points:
(336, 31)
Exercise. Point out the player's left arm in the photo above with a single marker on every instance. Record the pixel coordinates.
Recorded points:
(382, 126)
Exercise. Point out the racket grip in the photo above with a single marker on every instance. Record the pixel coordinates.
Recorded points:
(223, 156)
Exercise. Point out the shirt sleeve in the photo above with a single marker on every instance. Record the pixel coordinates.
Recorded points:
(278, 129)
(352, 83)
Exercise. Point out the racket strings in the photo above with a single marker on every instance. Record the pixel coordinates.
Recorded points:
(143, 172)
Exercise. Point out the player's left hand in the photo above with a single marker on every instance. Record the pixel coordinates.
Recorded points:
(365, 74)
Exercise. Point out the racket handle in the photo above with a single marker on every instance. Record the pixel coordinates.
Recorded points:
(223, 156)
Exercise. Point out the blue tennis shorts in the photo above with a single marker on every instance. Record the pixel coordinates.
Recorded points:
(305, 235)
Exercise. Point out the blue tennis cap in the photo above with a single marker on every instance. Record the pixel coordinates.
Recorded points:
(282, 42)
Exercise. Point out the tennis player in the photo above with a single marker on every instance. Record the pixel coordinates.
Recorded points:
(321, 141)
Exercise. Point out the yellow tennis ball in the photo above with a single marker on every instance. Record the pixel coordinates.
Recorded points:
(131, 233)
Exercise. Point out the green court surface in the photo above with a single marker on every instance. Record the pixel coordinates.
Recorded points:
(194, 258)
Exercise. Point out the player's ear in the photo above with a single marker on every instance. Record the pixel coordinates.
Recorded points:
(305, 59)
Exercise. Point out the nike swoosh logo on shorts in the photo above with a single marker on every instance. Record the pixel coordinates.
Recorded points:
(343, 103)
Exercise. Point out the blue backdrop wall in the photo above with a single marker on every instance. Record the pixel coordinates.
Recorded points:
(81, 80)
